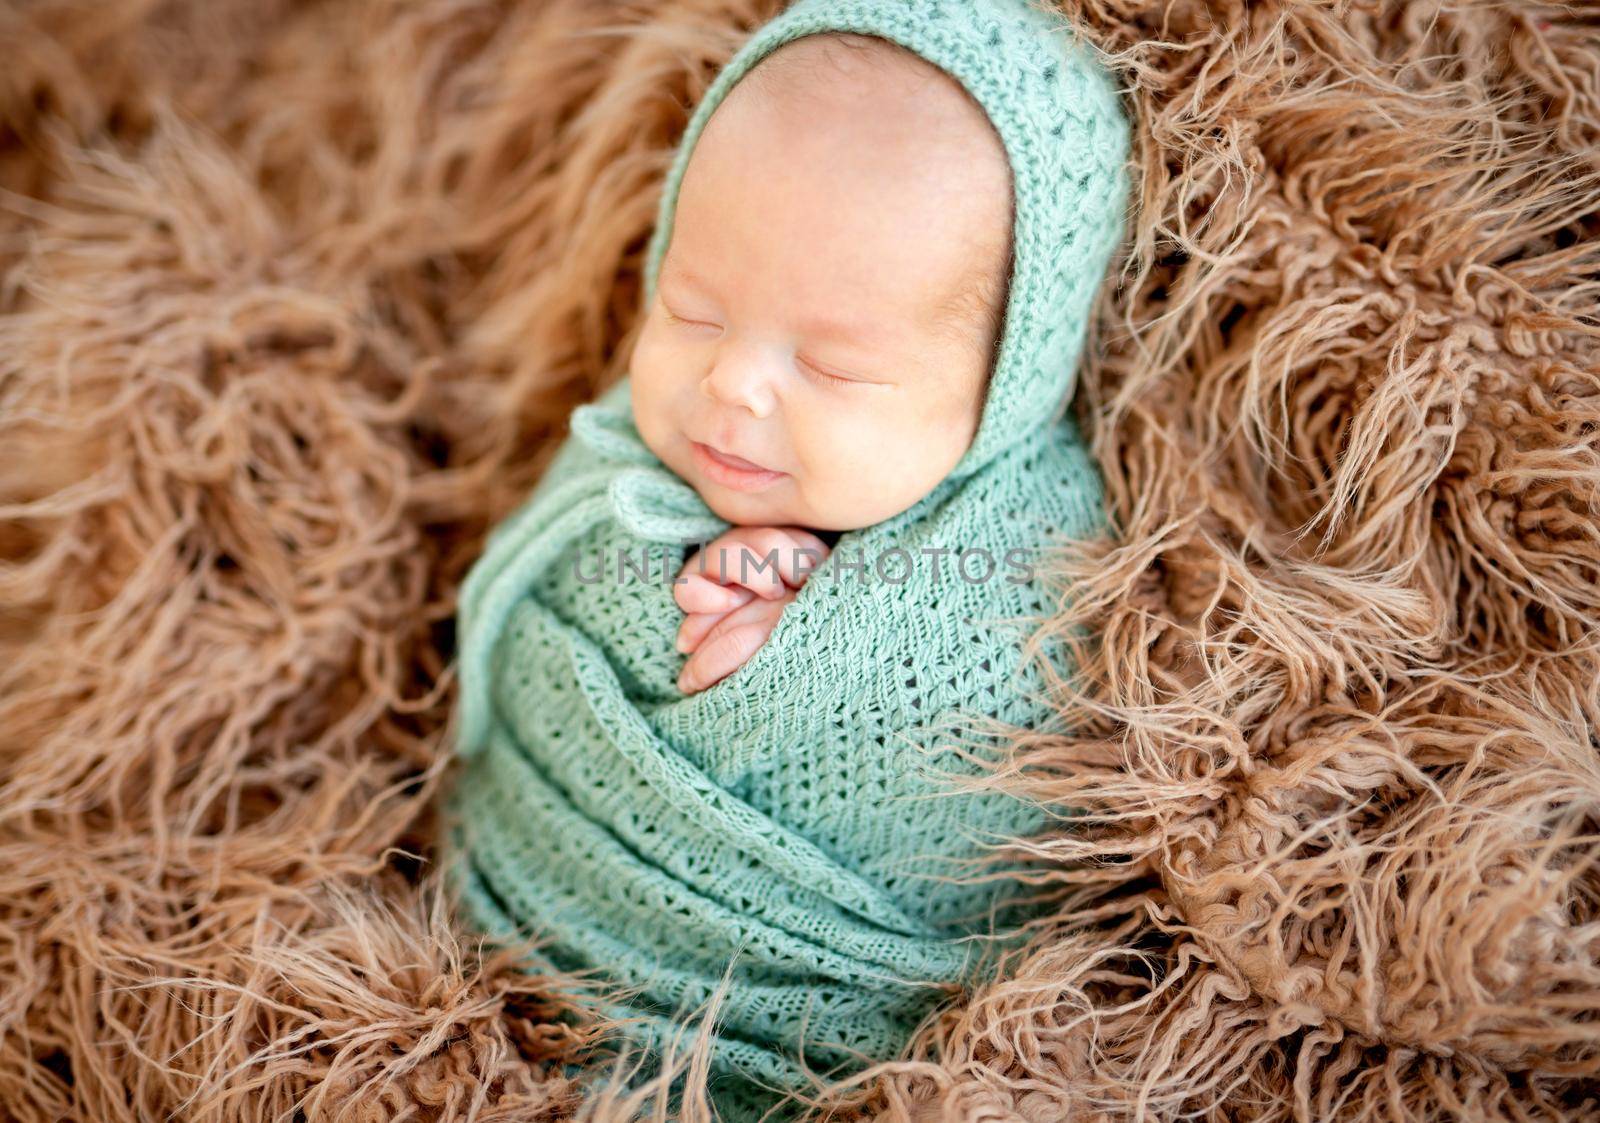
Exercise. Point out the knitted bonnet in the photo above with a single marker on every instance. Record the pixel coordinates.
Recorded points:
(1065, 136)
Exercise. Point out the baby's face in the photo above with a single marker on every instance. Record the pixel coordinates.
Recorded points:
(829, 300)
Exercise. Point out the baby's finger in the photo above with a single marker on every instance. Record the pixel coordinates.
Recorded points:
(807, 540)
(746, 561)
(694, 563)
(695, 627)
(695, 593)
(775, 560)
(796, 552)
(722, 654)
(719, 561)
(718, 655)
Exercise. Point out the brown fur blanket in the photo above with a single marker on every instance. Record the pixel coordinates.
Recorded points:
(294, 301)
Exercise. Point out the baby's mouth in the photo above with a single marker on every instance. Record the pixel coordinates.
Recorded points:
(735, 461)
(733, 471)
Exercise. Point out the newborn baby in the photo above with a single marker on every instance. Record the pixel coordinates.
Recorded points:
(818, 350)
(865, 296)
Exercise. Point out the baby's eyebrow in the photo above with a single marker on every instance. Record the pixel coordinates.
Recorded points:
(965, 305)
(865, 332)
(672, 265)
(976, 304)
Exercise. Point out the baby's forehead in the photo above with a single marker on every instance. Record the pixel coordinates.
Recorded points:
(864, 77)
(842, 103)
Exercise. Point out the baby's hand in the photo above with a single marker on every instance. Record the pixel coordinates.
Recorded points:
(734, 590)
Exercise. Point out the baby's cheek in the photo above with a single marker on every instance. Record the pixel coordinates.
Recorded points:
(879, 464)
(652, 414)
(655, 367)
(845, 463)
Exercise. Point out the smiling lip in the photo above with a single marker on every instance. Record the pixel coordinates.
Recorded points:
(733, 471)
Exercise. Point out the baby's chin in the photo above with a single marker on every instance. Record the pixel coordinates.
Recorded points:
(744, 509)
(776, 509)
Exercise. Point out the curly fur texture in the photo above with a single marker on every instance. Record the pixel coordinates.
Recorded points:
(294, 301)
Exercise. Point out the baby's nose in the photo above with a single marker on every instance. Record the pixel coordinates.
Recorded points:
(741, 380)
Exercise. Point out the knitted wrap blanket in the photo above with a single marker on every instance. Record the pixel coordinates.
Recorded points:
(795, 825)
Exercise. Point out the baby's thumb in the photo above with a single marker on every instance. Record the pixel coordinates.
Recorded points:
(719, 656)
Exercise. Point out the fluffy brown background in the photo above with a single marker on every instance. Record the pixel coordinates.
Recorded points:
(296, 298)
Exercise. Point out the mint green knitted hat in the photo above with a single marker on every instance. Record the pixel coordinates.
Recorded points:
(1067, 140)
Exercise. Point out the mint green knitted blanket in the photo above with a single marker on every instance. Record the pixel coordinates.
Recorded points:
(795, 825)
